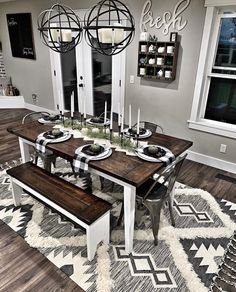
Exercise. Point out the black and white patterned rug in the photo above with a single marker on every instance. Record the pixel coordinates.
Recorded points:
(186, 258)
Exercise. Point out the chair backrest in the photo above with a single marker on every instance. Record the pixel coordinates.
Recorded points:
(150, 126)
(34, 115)
(168, 176)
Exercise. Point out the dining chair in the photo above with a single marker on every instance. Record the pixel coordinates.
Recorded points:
(155, 192)
(47, 158)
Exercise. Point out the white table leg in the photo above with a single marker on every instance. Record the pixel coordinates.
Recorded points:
(24, 150)
(129, 213)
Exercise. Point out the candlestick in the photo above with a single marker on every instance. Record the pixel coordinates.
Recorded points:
(84, 108)
(138, 121)
(110, 135)
(105, 113)
(72, 104)
(137, 140)
(130, 116)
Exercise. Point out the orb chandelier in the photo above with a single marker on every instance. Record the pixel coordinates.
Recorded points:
(109, 27)
(60, 28)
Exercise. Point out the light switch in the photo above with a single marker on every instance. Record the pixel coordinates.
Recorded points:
(131, 79)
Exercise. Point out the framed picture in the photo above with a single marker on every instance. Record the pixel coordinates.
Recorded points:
(173, 36)
(20, 34)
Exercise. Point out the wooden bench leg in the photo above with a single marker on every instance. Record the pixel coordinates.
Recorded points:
(97, 232)
(17, 191)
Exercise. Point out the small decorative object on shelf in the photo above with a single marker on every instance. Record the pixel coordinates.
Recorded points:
(158, 60)
(152, 38)
(173, 36)
(144, 36)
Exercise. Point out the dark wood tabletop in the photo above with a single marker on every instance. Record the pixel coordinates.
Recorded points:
(130, 169)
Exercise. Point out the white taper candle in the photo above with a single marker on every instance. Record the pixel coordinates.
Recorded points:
(72, 104)
(138, 121)
(122, 120)
(105, 113)
(130, 116)
(111, 118)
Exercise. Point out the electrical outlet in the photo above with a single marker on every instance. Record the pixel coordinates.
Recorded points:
(35, 98)
(131, 79)
(223, 148)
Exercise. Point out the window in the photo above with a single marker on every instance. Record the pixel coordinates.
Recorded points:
(214, 103)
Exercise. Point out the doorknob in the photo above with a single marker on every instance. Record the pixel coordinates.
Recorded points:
(81, 84)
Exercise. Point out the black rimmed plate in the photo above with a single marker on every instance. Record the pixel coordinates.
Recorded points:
(154, 151)
(51, 135)
(144, 153)
(91, 151)
(51, 118)
(98, 121)
(143, 133)
(133, 132)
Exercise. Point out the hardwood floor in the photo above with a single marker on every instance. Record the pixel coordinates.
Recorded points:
(23, 268)
(42, 274)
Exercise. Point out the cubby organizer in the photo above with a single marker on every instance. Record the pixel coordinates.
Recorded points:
(157, 60)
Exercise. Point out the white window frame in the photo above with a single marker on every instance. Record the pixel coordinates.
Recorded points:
(214, 12)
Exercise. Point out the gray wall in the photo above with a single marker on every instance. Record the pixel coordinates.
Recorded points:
(168, 104)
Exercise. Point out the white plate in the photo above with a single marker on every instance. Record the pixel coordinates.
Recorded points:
(139, 152)
(98, 124)
(145, 135)
(42, 121)
(66, 136)
(103, 155)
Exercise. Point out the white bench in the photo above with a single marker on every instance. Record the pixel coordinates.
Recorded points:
(85, 209)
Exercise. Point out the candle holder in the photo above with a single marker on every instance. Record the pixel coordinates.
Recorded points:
(111, 135)
(119, 127)
(81, 119)
(122, 139)
(72, 122)
(137, 137)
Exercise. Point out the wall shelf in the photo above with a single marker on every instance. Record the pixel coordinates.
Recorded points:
(157, 60)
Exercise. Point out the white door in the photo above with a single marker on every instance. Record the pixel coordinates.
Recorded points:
(98, 77)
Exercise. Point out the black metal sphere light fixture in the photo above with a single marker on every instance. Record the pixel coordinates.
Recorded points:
(109, 27)
(60, 28)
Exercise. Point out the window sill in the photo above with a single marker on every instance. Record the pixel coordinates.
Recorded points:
(217, 128)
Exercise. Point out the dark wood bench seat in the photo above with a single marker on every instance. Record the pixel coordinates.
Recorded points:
(83, 208)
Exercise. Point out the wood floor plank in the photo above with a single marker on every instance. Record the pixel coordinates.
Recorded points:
(23, 268)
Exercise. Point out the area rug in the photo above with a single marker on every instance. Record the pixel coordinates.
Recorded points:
(187, 257)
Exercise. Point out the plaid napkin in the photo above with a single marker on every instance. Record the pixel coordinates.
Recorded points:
(80, 162)
(41, 142)
(168, 158)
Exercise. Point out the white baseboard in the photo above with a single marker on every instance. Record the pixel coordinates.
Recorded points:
(37, 108)
(12, 101)
(212, 161)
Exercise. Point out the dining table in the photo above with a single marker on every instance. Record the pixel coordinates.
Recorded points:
(128, 171)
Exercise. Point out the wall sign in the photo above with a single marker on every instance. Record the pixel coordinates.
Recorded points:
(165, 21)
(20, 33)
